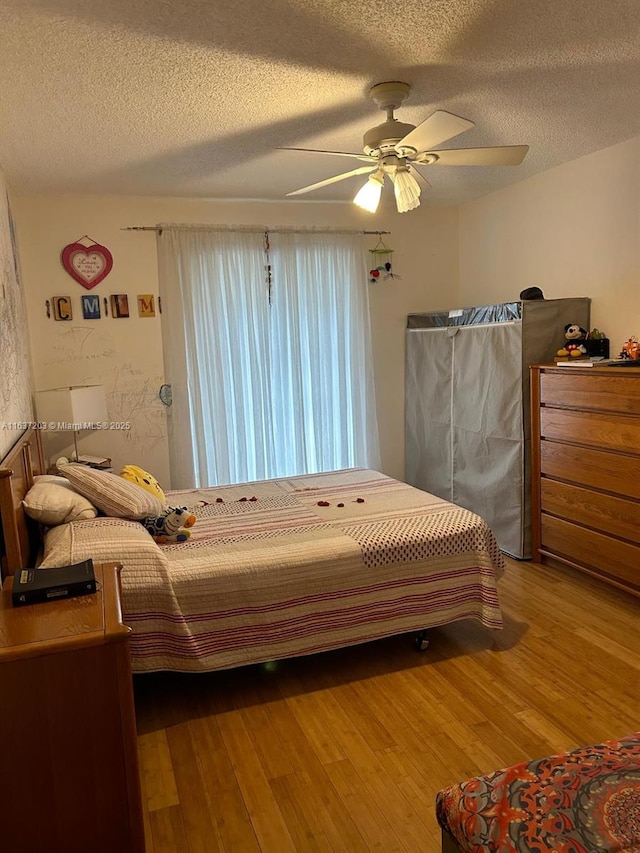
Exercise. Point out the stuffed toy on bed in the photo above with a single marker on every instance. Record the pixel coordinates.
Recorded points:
(172, 526)
(142, 478)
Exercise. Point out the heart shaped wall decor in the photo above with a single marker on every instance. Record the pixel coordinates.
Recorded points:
(89, 265)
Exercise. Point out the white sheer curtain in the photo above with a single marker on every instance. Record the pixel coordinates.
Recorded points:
(321, 354)
(267, 382)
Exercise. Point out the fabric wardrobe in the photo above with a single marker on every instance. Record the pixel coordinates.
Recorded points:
(467, 408)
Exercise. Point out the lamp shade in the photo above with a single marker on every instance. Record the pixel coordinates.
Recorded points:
(368, 196)
(72, 408)
(407, 189)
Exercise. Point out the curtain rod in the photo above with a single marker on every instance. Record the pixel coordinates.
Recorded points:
(253, 229)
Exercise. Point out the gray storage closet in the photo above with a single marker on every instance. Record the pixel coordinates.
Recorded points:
(467, 410)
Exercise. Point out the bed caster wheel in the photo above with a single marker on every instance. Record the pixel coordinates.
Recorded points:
(421, 641)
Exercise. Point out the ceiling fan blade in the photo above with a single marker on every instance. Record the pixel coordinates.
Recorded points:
(418, 174)
(364, 157)
(361, 171)
(439, 127)
(502, 155)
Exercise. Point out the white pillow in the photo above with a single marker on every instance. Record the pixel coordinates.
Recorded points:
(113, 495)
(53, 500)
(52, 478)
(108, 540)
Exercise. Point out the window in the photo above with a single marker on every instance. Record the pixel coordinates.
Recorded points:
(268, 353)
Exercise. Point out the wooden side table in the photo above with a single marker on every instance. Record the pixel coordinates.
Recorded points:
(69, 776)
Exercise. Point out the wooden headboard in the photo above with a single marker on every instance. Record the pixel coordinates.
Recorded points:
(20, 536)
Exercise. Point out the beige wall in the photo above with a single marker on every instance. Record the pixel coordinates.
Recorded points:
(15, 388)
(573, 231)
(126, 355)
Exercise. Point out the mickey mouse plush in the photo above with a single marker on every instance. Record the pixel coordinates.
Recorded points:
(576, 336)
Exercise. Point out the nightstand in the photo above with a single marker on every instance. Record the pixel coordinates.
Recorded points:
(68, 753)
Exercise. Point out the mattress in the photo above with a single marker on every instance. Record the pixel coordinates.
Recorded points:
(287, 567)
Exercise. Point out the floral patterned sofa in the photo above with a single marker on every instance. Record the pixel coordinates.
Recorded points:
(581, 801)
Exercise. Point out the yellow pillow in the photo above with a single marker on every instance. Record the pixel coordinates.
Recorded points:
(144, 480)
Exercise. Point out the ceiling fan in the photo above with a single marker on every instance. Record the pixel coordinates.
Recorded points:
(396, 149)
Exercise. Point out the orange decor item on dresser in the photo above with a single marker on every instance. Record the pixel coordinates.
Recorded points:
(586, 470)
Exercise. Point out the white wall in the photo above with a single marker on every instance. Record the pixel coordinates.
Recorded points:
(15, 388)
(572, 231)
(126, 355)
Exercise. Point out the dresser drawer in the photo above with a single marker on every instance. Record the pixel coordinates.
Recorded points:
(608, 392)
(609, 514)
(609, 472)
(612, 432)
(596, 551)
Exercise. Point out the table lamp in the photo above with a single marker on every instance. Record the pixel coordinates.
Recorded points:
(72, 408)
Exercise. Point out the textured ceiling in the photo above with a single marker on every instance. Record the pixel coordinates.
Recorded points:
(192, 97)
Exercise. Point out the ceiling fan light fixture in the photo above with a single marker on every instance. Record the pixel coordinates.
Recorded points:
(368, 196)
(393, 147)
(406, 188)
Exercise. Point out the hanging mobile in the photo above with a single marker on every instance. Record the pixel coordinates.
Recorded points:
(381, 254)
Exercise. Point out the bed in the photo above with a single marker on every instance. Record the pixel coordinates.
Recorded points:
(281, 568)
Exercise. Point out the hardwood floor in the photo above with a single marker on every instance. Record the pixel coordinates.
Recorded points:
(345, 751)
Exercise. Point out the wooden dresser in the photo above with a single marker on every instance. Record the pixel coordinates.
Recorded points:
(586, 470)
(68, 753)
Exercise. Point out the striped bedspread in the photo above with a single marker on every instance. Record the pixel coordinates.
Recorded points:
(287, 567)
